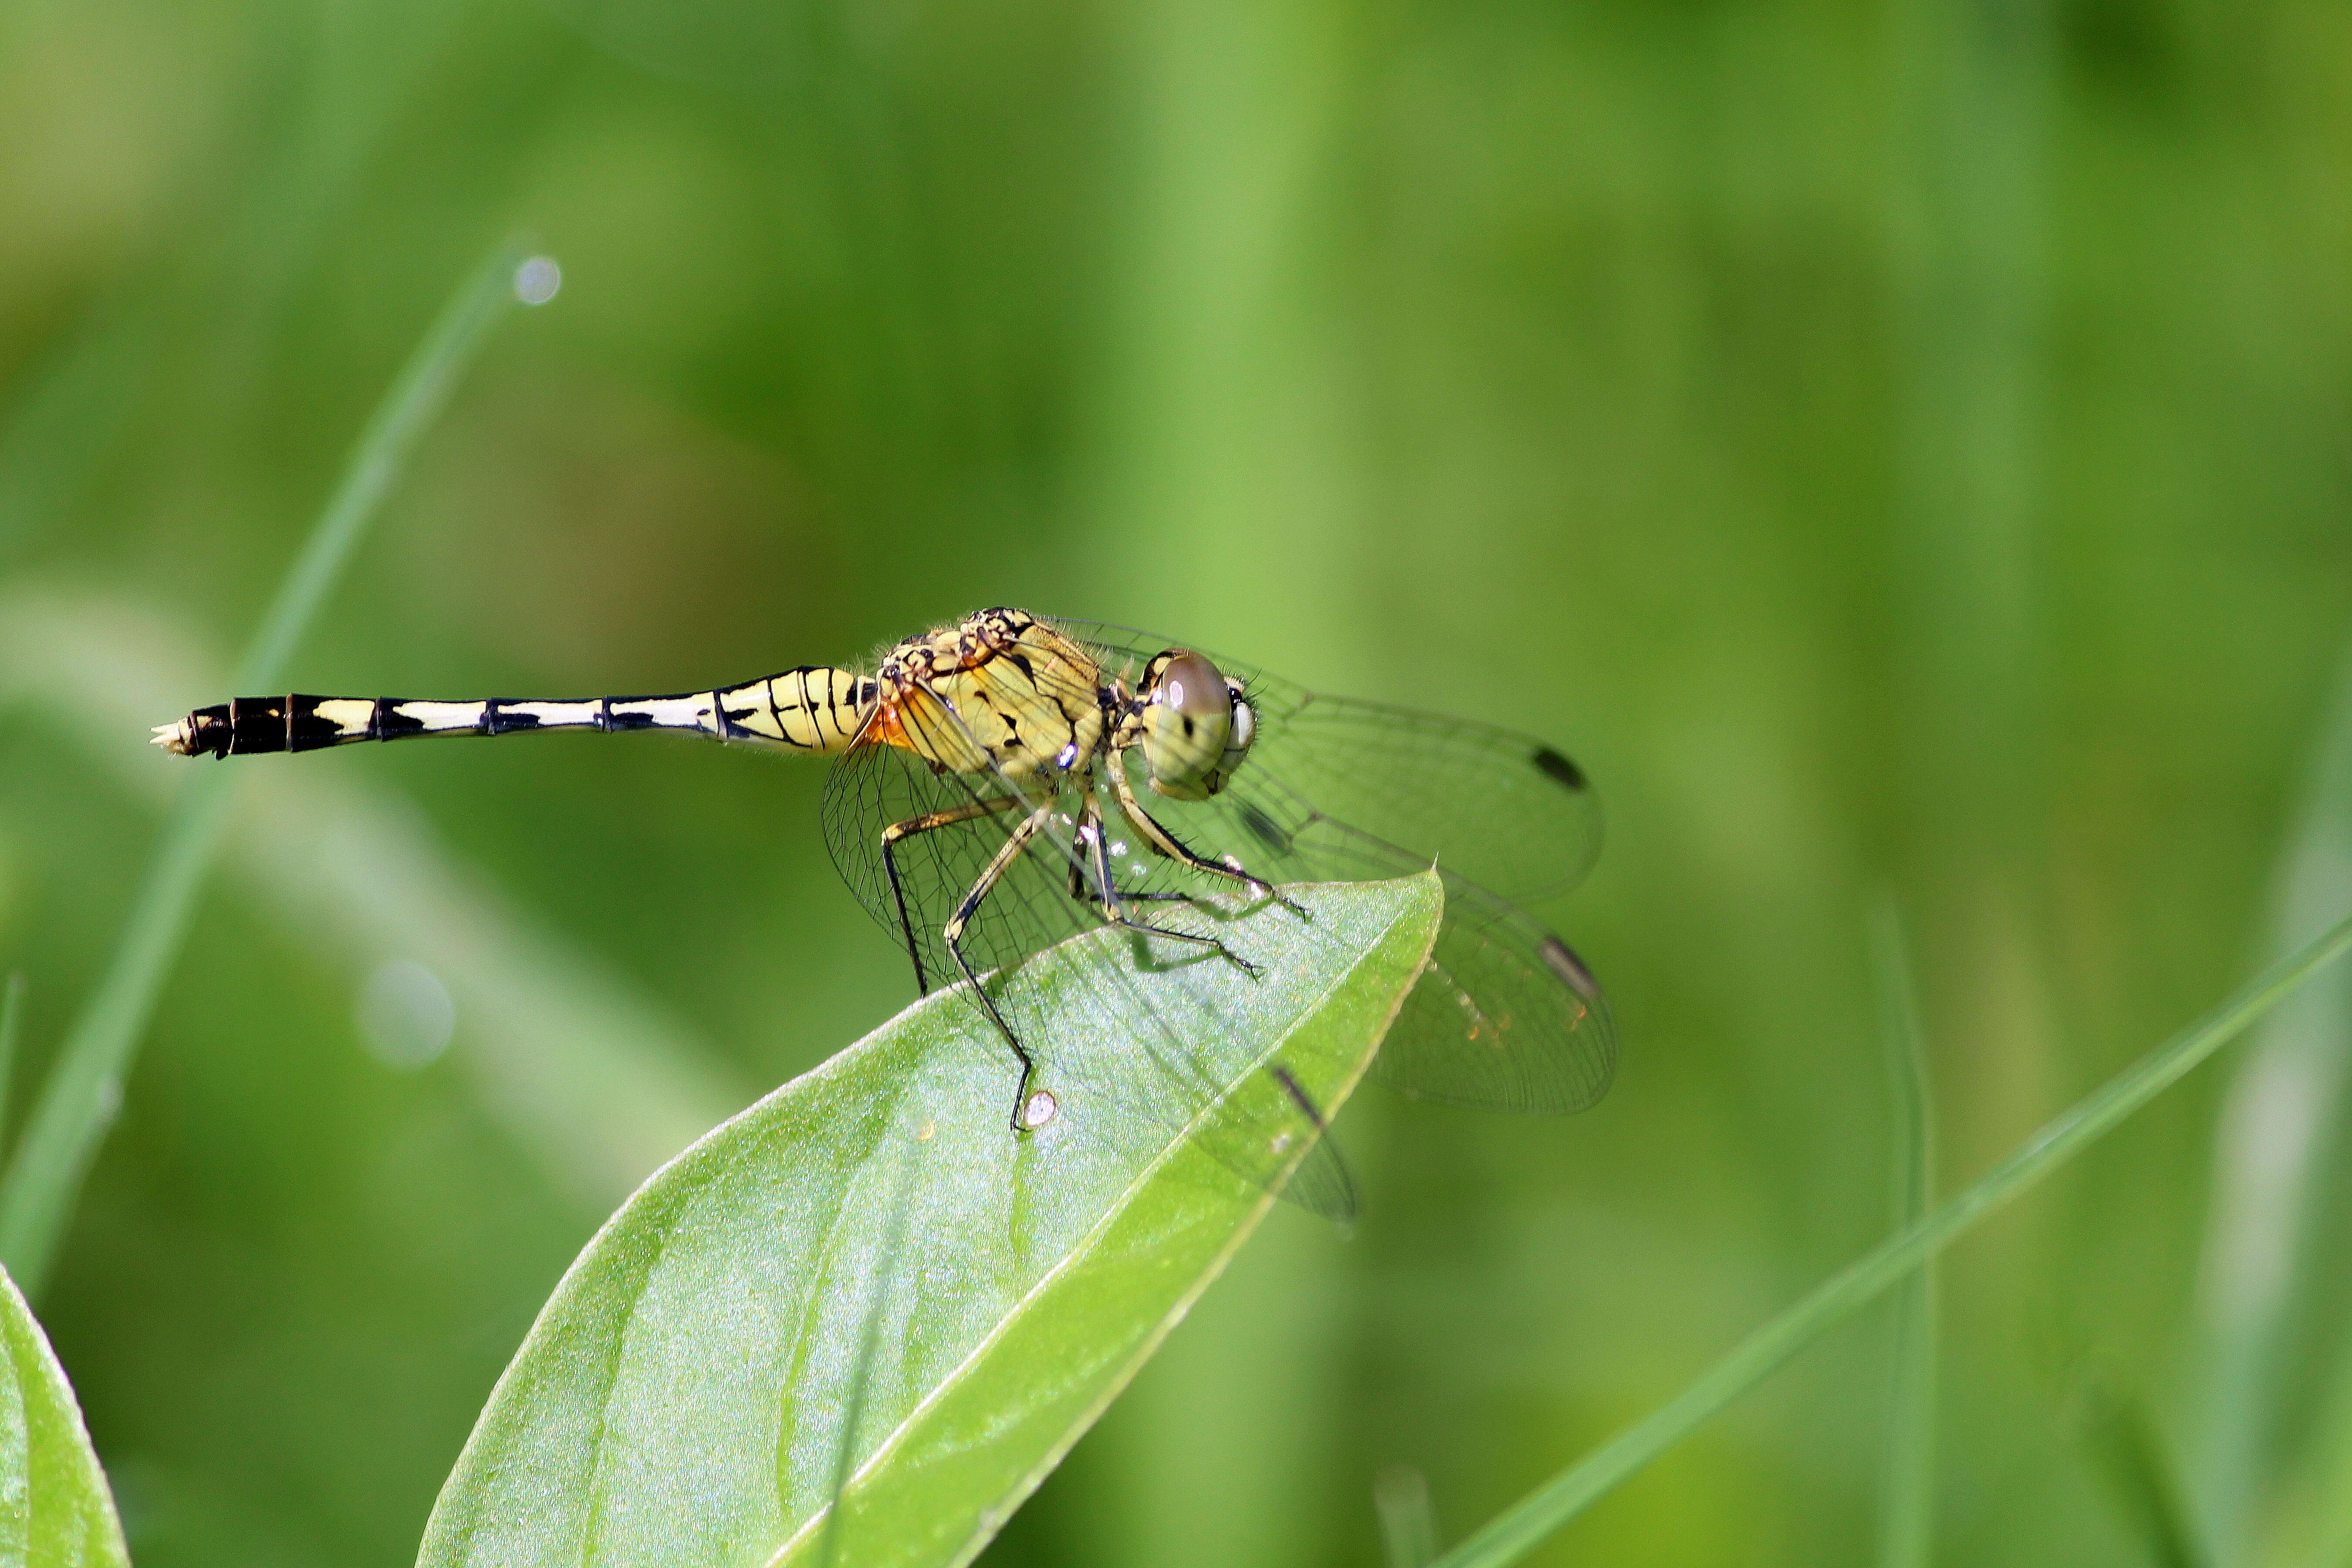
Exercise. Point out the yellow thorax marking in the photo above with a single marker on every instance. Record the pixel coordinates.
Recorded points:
(998, 691)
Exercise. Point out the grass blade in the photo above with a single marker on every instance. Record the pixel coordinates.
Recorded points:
(12, 1019)
(1907, 1517)
(83, 1091)
(1511, 1534)
(588, 1072)
(2270, 1294)
(409, 408)
(2112, 1421)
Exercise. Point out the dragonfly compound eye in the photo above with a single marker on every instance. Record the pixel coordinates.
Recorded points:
(1188, 718)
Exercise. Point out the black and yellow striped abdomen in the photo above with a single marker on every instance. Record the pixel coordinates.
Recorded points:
(815, 709)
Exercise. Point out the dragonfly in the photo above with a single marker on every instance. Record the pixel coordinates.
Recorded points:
(1007, 781)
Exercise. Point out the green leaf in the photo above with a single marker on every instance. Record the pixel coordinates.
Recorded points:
(55, 1509)
(1907, 1525)
(683, 1397)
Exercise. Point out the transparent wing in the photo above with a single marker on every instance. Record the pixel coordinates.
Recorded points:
(913, 888)
(1505, 810)
(1506, 1017)
(1162, 1061)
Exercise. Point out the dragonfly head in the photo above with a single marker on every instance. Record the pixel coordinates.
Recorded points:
(1197, 726)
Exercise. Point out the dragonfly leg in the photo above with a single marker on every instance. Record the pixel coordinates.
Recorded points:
(908, 829)
(1167, 843)
(1086, 890)
(1103, 890)
(953, 934)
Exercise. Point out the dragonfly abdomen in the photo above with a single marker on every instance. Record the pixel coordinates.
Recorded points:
(814, 708)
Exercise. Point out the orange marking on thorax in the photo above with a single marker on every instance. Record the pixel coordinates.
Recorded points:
(885, 728)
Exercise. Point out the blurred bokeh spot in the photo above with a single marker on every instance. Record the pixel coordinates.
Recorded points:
(404, 1014)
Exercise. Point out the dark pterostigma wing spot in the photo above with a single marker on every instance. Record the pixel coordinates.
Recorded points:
(1562, 960)
(1558, 769)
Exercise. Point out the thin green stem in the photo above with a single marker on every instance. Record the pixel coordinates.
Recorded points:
(2281, 1145)
(1907, 1512)
(1511, 1534)
(2111, 1420)
(12, 1019)
(409, 408)
(84, 1088)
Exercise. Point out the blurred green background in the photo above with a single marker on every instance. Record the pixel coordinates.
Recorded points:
(1900, 449)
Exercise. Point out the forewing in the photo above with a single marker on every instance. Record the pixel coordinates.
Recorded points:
(1506, 1018)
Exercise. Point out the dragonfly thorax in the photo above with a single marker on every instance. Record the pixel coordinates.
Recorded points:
(999, 692)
